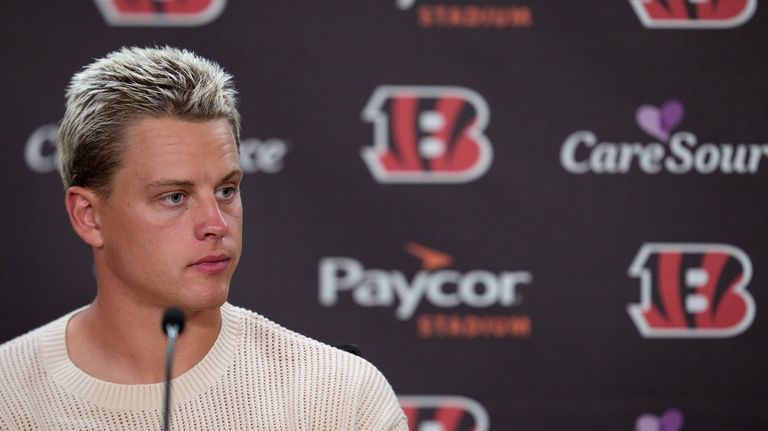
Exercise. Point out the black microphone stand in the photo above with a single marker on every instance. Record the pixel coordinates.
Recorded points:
(173, 324)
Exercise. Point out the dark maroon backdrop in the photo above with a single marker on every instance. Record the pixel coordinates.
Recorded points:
(538, 215)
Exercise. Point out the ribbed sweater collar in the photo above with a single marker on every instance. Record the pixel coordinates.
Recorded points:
(146, 396)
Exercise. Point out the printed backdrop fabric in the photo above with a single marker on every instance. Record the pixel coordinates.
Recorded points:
(529, 215)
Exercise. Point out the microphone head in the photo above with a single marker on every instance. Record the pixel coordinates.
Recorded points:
(173, 316)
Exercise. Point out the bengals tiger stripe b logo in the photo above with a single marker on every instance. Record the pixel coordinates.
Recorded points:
(694, 14)
(160, 13)
(444, 413)
(692, 291)
(427, 134)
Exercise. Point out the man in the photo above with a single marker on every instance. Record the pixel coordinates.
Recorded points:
(149, 159)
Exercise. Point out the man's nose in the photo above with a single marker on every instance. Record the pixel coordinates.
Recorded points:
(210, 220)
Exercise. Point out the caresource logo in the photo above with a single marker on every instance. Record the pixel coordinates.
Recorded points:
(427, 135)
(41, 150)
(692, 291)
(694, 14)
(164, 13)
(444, 413)
(672, 152)
(256, 155)
(344, 279)
(669, 420)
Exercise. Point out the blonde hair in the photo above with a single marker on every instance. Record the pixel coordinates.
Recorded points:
(134, 83)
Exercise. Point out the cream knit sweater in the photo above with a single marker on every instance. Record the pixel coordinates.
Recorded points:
(257, 376)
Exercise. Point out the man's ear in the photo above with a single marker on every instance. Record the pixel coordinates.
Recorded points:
(82, 206)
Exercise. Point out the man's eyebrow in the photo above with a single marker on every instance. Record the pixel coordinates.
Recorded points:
(167, 183)
(235, 173)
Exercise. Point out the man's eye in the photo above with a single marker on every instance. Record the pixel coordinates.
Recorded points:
(174, 198)
(226, 192)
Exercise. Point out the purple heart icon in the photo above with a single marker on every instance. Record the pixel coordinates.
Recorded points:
(671, 420)
(647, 422)
(659, 122)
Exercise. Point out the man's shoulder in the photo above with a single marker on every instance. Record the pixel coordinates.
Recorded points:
(20, 351)
(325, 373)
(22, 369)
(23, 353)
(279, 343)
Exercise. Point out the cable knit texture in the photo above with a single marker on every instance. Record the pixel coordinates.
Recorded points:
(257, 376)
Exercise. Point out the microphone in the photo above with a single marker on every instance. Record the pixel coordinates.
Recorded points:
(173, 324)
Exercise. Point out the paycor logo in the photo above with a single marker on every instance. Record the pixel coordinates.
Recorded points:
(469, 15)
(673, 152)
(435, 285)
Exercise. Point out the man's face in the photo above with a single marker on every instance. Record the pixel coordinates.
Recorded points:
(172, 226)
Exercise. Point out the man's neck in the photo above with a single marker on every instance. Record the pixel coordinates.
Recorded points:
(124, 343)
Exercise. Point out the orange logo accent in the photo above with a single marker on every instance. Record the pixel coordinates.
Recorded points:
(474, 16)
(430, 259)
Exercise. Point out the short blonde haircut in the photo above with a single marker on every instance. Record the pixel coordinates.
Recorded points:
(129, 84)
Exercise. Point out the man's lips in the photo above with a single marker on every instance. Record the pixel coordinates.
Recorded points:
(211, 264)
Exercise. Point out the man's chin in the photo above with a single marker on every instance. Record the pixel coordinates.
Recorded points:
(201, 298)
